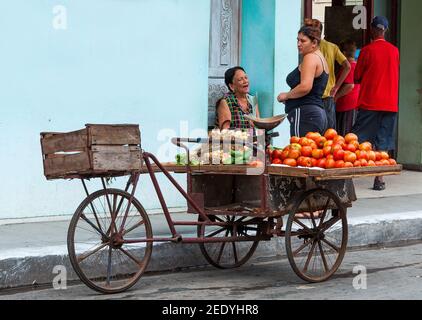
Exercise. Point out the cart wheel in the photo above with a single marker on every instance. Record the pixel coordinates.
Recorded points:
(99, 253)
(229, 255)
(316, 235)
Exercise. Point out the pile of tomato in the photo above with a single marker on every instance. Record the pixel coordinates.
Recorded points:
(329, 151)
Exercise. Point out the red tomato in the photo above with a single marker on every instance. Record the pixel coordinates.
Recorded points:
(330, 164)
(356, 144)
(385, 155)
(284, 154)
(290, 162)
(294, 140)
(366, 146)
(350, 137)
(336, 147)
(362, 155)
(317, 153)
(276, 154)
(330, 134)
(357, 163)
(392, 162)
(306, 151)
(348, 165)
(372, 156)
(313, 135)
(305, 162)
(327, 150)
(385, 162)
(351, 147)
(294, 154)
(320, 141)
(305, 142)
(322, 163)
(371, 163)
(277, 161)
(339, 140)
(339, 155)
(339, 164)
(350, 157)
(295, 146)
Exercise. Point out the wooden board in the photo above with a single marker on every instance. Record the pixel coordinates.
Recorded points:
(114, 134)
(61, 165)
(115, 158)
(335, 174)
(317, 174)
(204, 169)
(64, 142)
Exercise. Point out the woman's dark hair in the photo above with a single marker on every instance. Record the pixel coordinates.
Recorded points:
(312, 28)
(229, 75)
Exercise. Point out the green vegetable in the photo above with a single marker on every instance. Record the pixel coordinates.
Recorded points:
(181, 159)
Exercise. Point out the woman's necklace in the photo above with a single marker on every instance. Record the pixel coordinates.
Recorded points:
(243, 104)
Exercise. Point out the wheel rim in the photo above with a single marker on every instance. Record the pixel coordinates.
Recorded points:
(316, 243)
(229, 255)
(98, 250)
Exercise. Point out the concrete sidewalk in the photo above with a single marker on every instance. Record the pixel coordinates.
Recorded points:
(30, 250)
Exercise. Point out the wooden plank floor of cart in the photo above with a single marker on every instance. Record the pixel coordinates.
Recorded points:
(280, 170)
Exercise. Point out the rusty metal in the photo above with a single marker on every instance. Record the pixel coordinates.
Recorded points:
(234, 220)
(173, 181)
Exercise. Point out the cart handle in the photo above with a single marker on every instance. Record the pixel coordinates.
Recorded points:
(178, 141)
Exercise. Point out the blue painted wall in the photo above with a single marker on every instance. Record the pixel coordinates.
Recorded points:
(142, 62)
(288, 22)
(269, 52)
(258, 40)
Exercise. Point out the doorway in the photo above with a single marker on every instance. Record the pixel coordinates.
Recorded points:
(337, 17)
(225, 41)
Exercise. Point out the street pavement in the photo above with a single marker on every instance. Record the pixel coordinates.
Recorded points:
(386, 273)
(30, 250)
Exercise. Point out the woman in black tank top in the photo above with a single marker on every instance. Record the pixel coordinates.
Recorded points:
(307, 82)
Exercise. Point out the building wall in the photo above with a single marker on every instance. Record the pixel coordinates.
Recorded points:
(269, 52)
(410, 117)
(258, 32)
(288, 22)
(142, 62)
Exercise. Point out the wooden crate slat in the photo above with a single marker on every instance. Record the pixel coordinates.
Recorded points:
(104, 150)
(64, 142)
(71, 163)
(114, 134)
(116, 158)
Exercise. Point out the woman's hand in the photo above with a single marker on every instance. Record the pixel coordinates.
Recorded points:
(282, 97)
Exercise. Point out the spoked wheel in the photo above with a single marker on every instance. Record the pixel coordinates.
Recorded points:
(106, 257)
(229, 255)
(316, 235)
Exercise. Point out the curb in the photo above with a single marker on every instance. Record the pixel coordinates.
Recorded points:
(30, 270)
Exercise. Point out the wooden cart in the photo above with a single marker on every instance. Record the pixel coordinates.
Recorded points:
(110, 237)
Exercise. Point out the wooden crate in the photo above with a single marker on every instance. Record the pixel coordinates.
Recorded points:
(97, 150)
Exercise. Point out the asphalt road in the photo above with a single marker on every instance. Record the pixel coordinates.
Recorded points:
(380, 274)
